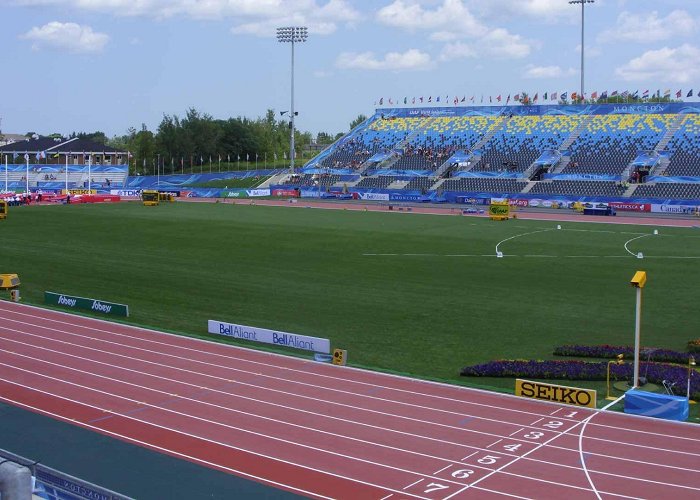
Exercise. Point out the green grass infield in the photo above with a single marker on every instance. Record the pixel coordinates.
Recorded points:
(420, 295)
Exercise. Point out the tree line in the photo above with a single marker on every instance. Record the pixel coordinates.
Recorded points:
(197, 139)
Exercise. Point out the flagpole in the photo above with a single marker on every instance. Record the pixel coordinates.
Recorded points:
(66, 173)
(89, 172)
(26, 177)
(6, 190)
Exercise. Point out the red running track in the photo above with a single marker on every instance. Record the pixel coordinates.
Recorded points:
(327, 431)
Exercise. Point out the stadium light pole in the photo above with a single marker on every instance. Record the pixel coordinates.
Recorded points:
(292, 34)
(583, 23)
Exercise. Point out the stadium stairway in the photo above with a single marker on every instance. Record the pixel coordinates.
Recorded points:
(575, 134)
(670, 132)
(529, 186)
(630, 190)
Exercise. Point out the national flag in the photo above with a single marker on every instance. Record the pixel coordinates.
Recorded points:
(228, 158)
(275, 155)
(390, 101)
(574, 96)
(14, 155)
(482, 99)
(464, 98)
(437, 99)
(635, 94)
(679, 94)
(128, 154)
(490, 99)
(534, 99)
(247, 157)
(456, 100)
(667, 93)
(508, 99)
(690, 93)
(645, 94)
(219, 157)
(201, 159)
(471, 98)
(604, 95)
(405, 100)
(624, 94)
(614, 93)
(544, 96)
(413, 101)
(26, 156)
(594, 95)
(517, 97)
(37, 156)
(430, 98)
(498, 98)
(381, 101)
(564, 96)
(421, 99)
(554, 96)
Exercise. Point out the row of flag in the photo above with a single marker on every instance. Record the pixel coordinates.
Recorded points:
(524, 98)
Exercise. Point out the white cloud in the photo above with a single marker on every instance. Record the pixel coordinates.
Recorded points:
(672, 65)
(411, 60)
(451, 16)
(500, 43)
(547, 72)
(66, 36)
(251, 17)
(458, 50)
(544, 10)
(650, 27)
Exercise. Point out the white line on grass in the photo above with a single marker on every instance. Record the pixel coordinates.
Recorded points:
(630, 241)
(523, 234)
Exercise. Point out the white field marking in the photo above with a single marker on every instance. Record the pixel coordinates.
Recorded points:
(11, 308)
(233, 410)
(500, 493)
(580, 444)
(514, 433)
(172, 452)
(520, 235)
(494, 444)
(131, 358)
(275, 378)
(557, 411)
(630, 241)
(348, 392)
(537, 421)
(237, 396)
(225, 408)
(444, 468)
(546, 443)
(413, 484)
(388, 496)
(220, 424)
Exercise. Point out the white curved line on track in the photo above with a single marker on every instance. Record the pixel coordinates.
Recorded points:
(520, 235)
(580, 444)
(630, 241)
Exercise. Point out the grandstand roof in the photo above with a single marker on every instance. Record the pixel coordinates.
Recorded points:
(49, 144)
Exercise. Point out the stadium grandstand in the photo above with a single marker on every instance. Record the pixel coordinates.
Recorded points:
(605, 152)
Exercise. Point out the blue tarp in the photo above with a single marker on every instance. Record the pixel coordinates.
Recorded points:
(582, 177)
(651, 404)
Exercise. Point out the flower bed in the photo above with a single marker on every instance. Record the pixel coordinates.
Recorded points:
(610, 351)
(584, 370)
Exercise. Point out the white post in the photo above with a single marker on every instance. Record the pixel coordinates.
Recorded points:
(67, 155)
(89, 172)
(6, 190)
(637, 328)
(26, 177)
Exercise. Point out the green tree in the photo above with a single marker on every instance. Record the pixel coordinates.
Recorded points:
(357, 121)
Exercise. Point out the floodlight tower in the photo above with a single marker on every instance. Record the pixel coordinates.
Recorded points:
(583, 17)
(292, 34)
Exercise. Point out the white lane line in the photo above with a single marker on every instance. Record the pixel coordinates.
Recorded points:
(471, 455)
(630, 241)
(580, 444)
(669, 436)
(173, 452)
(220, 443)
(266, 364)
(494, 444)
(444, 468)
(521, 235)
(412, 484)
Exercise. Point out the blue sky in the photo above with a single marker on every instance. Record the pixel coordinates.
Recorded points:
(86, 65)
